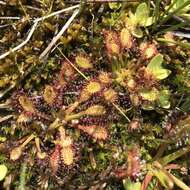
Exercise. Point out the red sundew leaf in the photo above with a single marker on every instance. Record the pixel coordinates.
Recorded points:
(66, 74)
(133, 165)
(89, 89)
(126, 38)
(148, 50)
(112, 42)
(134, 124)
(97, 132)
(104, 78)
(27, 104)
(83, 62)
(120, 173)
(146, 181)
(67, 155)
(133, 162)
(172, 166)
(49, 94)
(54, 159)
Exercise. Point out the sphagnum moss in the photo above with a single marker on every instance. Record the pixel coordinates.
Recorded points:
(106, 106)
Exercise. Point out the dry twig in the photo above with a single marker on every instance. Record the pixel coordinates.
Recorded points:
(22, 44)
(2, 3)
(56, 38)
(33, 28)
(9, 18)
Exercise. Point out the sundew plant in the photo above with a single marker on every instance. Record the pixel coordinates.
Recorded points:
(95, 95)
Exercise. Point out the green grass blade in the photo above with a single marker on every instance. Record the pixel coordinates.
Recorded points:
(156, 13)
(182, 44)
(173, 156)
(174, 27)
(164, 20)
(22, 176)
(169, 8)
(179, 183)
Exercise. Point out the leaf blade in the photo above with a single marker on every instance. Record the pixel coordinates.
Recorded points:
(156, 68)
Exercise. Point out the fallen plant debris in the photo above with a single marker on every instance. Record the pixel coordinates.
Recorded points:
(94, 94)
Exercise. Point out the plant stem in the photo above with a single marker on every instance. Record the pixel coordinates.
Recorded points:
(22, 176)
(182, 44)
(179, 183)
(82, 74)
(121, 112)
(32, 136)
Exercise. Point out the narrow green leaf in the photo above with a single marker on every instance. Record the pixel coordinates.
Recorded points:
(169, 8)
(22, 182)
(174, 27)
(180, 183)
(162, 177)
(186, 105)
(180, 3)
(164, 20)
(173, 156)
(156, 13)
(182, 44)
